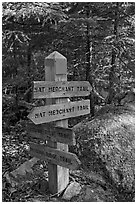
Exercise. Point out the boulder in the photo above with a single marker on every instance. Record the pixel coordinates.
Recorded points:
(72, 190)
(27, 172)
(106, 144)
(93, 196)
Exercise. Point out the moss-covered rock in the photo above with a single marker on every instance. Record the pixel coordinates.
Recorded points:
(106, 143)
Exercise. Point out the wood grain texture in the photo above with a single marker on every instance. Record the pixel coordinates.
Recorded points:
(49, 113)
(51, 133)
(56, 70)
(56, 89)
(55, 156)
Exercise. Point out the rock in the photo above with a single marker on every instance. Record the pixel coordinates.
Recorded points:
(106, 144)
(25, 168)
(89, 195)
(72, 190)
(54, 200)
(26, 172)
(34, 200)
(94, 195)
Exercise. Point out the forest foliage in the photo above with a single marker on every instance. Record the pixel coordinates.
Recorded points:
(97, 38)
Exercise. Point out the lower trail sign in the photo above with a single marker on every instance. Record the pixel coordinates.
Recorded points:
(65, 159)
(55, 90)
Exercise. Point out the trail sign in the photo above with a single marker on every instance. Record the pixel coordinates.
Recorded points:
(55, 156)
(52, 133)
(49, 113)
(56, 89)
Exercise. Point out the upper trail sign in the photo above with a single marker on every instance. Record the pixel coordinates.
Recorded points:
(48, 89)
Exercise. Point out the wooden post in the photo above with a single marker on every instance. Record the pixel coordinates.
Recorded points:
(56, 70)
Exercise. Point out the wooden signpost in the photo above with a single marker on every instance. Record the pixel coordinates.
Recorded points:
(56, 90)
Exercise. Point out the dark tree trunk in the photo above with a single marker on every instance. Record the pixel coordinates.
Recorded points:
(29, 59)
(75, 70)
(16, 73)
(88, 61)
(87, 44)
(113, 60)
(29, 56)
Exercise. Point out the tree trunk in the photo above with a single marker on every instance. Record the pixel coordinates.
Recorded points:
(29, 55)
(87, 45)
(16, 73)
(88, 60)
(75, 70)
(113, 60)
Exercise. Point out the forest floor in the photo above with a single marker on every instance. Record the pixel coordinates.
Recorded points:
(15, 153)
(34, 188)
